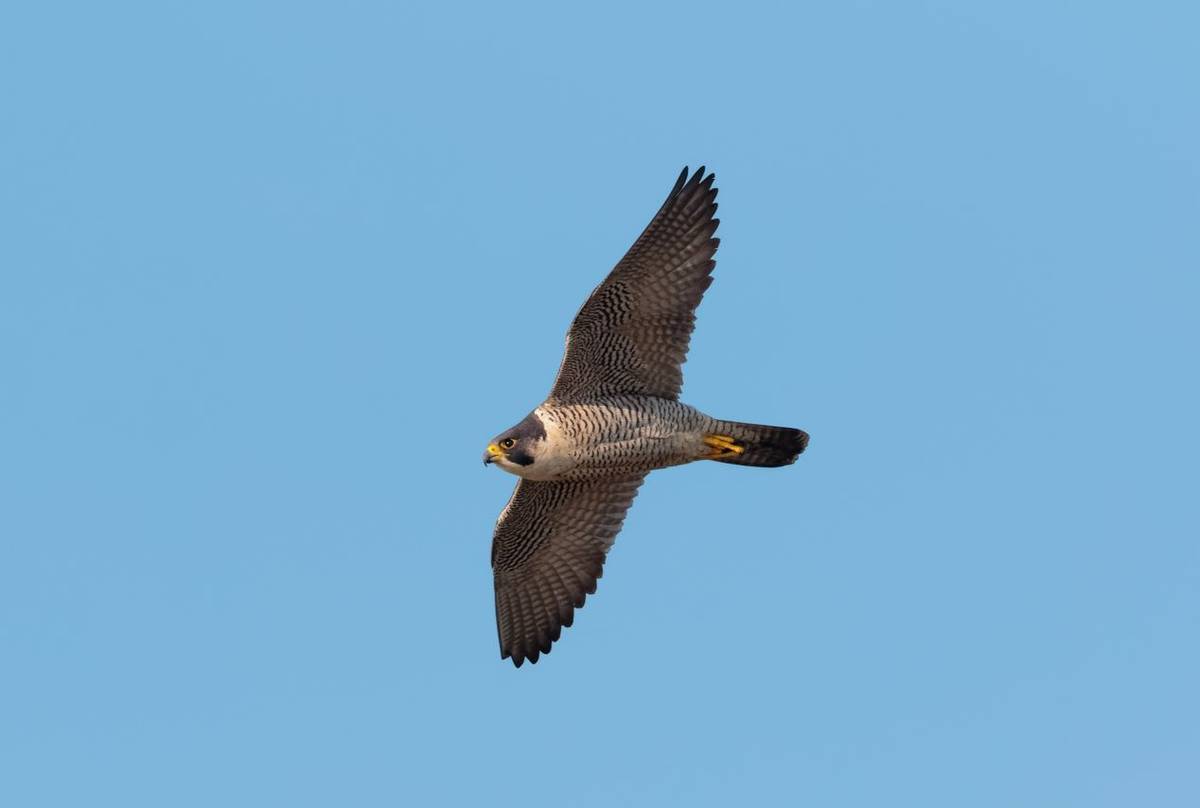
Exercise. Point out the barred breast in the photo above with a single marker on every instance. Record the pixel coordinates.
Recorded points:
(621, 435)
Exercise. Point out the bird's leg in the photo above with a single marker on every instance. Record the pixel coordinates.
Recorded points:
(722, 446)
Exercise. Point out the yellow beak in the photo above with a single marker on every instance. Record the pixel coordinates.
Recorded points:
(493, 451)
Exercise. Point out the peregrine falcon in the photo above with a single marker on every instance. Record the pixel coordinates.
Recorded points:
(612, 417)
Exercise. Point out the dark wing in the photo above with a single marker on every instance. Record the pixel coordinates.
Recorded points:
(547, 552)
(632, 334)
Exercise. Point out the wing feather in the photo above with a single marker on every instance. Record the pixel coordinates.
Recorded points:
(547, 553)
(631, 336)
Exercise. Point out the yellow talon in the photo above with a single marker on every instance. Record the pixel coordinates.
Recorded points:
(722, 445)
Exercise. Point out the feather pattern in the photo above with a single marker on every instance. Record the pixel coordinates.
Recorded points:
(548, 551)
(612, 416)
(632, 334)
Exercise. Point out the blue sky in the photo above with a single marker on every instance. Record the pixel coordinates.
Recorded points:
(272, 273)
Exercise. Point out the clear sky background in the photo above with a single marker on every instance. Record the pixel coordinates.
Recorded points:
(272, 273)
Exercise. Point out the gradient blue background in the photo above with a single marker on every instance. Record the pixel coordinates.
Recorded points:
(272, 273)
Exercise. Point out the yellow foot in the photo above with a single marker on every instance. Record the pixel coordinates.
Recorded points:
(722, 446)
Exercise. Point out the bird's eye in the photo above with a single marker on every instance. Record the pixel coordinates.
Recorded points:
(508, 443)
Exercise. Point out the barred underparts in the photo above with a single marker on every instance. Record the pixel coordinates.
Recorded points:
(612, 417)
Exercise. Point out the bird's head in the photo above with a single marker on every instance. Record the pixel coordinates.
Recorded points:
(516, 449)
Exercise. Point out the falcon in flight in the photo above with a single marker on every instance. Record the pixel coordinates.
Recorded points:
(613, 416)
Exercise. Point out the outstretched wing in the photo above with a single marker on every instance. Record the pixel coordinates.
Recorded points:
(547, 552)
(632, 334)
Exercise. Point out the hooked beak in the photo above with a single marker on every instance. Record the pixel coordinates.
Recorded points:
(493, 451)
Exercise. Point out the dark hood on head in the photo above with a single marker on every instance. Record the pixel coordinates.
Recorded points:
(530, 428)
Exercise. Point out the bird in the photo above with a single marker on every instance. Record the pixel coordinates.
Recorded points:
(613, 415)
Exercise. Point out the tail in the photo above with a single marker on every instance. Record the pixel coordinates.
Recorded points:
(754, 444)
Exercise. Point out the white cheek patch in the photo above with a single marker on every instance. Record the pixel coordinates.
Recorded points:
(553, 455)
(504, 464)
(554, 442)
